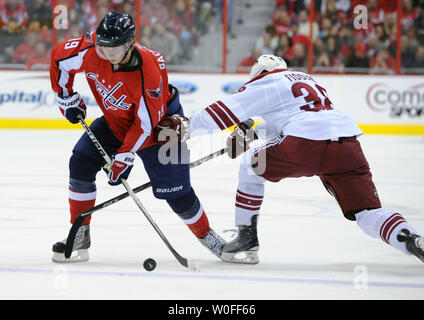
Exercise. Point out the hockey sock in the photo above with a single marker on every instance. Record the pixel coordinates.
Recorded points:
(384, 224)
(248, 203)
(199, 224)
(191, 212)
(250, 192)
(82, 196)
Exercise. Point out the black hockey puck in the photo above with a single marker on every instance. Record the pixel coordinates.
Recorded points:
(149, 264)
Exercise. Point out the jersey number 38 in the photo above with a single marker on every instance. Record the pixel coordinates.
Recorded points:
(316, 98)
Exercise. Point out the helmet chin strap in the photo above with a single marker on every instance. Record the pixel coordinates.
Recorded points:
(127, 54)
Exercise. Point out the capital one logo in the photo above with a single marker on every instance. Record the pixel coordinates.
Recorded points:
(398, 102)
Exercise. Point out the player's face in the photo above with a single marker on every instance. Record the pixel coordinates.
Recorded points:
(113, 54)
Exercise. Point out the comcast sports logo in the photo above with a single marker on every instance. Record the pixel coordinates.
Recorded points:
(397, 102)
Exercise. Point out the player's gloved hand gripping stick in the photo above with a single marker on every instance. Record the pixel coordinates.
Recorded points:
(79, 220)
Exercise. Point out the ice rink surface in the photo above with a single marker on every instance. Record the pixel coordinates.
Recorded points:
(308, 250)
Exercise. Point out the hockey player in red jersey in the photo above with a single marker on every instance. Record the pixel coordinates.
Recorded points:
(306, 136)
(130, 85)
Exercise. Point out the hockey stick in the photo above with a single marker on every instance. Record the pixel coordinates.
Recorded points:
(82, 216)
(130, 191)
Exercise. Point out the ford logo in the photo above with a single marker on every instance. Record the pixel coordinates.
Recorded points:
(185, 87)
(232, 87)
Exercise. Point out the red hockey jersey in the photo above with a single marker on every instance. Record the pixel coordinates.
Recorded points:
(132, 99)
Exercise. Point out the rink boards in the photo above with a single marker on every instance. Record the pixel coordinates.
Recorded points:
(379, 104)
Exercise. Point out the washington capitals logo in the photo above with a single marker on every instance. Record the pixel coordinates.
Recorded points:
(89, 37)
(109, 100)
(155, 93)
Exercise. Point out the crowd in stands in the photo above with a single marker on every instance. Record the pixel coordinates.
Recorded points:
(339, 45)
(171, 27)
(174, 27)
(25, 32)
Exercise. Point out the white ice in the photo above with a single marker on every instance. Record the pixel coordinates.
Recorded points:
(308, 250)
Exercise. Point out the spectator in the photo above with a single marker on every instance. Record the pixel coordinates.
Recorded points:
(325, 29)
(281, 20)
(299, 59)
(390, 28)
(39, 10)
(13, 10)
(183, 24)
(304, 25)
(166, 43)
(156, 11)
(268, 42)
(407, 53)
(128, 8)
(343, 5)
(204, 15)
(375, 13)
(25, 49)
(280, 52)
(319, 46)
(323, 60)
(383, 39)
(419, 58)
(419, 25)
(296, 37)
(39, 57)
(146, 34)
(383, 62)
(358, 59)
(346, 40)
(337, 17)
(409, 14)
(412, 35)
(285, 47)
(372, 45)
(90, 15)
(247, 62)
(10, 36)
(333, 50)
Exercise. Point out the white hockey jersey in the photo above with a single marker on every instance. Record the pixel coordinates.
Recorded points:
(290, 102)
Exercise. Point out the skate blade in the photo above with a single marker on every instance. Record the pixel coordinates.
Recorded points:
(244, 257)
(77, 256)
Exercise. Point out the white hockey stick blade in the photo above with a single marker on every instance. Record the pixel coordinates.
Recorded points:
(193, 265)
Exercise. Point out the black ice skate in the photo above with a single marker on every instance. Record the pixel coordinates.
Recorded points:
(79, 250)
(213, 242)
(414, 243)
(244, 248)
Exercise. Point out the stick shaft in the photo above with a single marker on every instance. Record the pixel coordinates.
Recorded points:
(108, 160)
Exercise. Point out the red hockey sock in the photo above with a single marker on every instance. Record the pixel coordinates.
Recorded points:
(80, 202)
(200, 227)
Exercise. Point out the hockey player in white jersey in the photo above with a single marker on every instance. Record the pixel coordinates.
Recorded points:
(306, 136)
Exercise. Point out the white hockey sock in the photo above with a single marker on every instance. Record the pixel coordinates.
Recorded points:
(248, 203)
(384, 224)
(250, 192)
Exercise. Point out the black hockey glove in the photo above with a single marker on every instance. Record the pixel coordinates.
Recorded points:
(239, 140)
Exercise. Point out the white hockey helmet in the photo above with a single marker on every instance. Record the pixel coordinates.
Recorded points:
(267, 62)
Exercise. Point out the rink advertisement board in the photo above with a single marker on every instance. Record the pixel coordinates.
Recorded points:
(379, 104)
